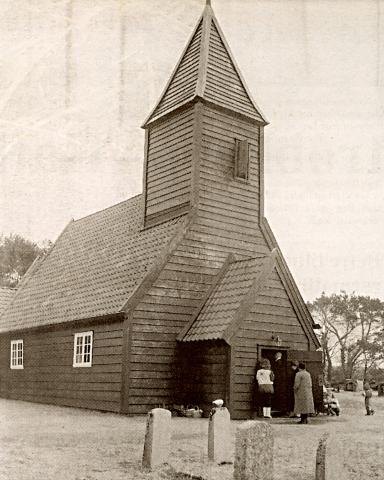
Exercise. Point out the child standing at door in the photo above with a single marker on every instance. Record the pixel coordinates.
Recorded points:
(264, 379)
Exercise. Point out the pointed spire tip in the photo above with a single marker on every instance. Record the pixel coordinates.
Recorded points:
(208, 2)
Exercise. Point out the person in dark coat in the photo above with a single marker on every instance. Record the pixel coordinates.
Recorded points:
(304, 405)
(290, 386)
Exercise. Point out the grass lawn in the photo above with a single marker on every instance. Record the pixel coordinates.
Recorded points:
(47, 442)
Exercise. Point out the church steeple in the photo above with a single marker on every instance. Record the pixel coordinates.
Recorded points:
(204, 138)
(207, 70)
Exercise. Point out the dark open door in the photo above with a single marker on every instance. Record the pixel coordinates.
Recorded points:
(314, 364)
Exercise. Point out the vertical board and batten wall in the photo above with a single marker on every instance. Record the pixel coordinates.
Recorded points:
(49, 377)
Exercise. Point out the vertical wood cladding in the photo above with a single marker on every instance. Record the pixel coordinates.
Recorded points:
(271, 314)
(49, 377)
(169, 163)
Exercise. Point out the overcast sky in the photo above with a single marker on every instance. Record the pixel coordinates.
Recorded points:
(78, 77)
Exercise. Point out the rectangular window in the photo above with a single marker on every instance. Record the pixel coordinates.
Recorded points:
(17, 360)
(242, 159)
(82, 349)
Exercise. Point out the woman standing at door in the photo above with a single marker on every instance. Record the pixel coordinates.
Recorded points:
(264, 378)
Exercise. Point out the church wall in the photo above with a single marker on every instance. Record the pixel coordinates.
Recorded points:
(168, 165)
(271, 315)
(204, 373)
(48, 375)
(164, 311)
(228, 208)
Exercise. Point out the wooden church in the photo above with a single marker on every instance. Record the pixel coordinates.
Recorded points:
(174, 295)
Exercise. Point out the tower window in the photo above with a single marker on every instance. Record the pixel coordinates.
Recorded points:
(242, 159)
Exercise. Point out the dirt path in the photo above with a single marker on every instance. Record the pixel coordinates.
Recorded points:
(45, 442)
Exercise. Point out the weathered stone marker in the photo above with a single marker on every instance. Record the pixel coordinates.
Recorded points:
(219, 436)
(329, 459)
(157, 438)
(254, 452)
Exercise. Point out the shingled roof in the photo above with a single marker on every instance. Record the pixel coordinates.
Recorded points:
(6, 295)
(92, 270)
(237, 288)
(208, 70)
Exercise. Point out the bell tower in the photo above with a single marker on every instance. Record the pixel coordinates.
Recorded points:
(204, 136)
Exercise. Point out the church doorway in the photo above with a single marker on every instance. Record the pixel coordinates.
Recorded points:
(279, 366)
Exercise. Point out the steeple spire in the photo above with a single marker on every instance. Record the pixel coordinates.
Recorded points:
(208, 71)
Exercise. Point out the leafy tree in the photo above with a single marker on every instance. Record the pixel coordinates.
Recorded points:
(321, 309)
(350, 330)
(16, 256)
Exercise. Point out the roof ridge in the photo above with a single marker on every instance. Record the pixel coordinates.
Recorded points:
(106, 208)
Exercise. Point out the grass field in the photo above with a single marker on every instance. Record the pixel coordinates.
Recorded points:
(46, 442)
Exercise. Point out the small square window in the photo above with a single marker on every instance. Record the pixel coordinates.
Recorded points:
(82, 349)
(17, 354)
(242, 159)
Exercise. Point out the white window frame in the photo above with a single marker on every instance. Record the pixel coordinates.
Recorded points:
(14, 360)
(79, 355)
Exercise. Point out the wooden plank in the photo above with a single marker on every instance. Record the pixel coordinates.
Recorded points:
(172, 202)
(173, 139)
(166, 154)
(237, 125)
(158, 181)
(175, 124)
(174, 187)
(230, 97)
(152, 317)
(268, 309)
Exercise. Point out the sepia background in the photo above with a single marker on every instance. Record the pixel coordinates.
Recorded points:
(78, 77)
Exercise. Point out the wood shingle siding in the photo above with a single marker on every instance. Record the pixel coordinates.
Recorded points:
(49, 377)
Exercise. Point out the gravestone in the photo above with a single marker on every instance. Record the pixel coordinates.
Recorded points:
(219, 436)
(157, 438)
(330, 459)
(254, 452)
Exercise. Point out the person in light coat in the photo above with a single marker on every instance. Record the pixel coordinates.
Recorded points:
(304, 405)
